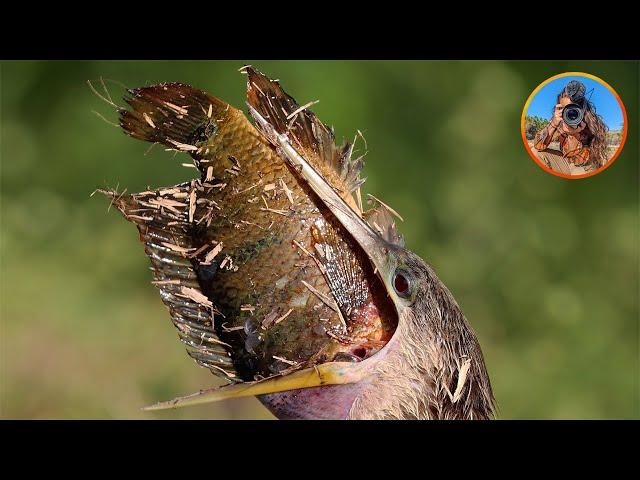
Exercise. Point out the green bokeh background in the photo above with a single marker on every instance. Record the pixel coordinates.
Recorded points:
(546, 269)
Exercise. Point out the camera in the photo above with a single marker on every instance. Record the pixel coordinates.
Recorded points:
(572, 115)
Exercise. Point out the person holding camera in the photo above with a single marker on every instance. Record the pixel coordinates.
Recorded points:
(580, 132)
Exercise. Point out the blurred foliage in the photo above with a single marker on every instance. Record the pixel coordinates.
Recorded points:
(546, 269)
(614, 137)
(533, 124)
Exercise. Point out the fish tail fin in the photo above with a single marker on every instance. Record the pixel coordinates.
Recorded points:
(176, 115)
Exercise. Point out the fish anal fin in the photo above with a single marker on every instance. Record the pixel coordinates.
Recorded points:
(161, 219)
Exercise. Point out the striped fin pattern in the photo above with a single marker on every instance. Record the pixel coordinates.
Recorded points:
(162, 218)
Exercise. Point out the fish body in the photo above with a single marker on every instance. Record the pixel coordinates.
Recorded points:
(259, 277)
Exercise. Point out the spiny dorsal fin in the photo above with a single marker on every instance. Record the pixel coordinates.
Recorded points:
(314, 138)
(174, 114)
(162, 218)
(317, 145)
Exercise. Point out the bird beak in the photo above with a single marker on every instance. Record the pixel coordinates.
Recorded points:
(373, 245)
(377, 249)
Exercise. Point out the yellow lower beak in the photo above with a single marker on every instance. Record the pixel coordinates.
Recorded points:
(333, 373)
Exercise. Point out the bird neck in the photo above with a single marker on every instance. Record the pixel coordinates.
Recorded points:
(373, 397)
(400, 386)
(432, 368)
(429, 370)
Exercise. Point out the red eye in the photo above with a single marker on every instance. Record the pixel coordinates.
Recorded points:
(401, 284)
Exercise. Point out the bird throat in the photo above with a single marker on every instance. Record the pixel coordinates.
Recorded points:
(329, 402)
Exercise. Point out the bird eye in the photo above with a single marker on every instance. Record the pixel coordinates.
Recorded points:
(401, 284)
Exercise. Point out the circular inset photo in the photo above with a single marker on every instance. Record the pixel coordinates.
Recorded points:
(574, 125)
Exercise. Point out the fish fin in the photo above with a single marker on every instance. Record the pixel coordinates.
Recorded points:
(335, 251)
(306, 131)
(382, 221)
(176, 115)
(162, 218)
(333, 373)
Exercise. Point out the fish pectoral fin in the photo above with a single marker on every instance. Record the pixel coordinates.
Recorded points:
(333, 373)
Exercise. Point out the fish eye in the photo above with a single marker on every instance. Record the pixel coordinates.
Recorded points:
(401, 284)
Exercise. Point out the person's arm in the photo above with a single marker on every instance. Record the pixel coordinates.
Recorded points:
(545, 136)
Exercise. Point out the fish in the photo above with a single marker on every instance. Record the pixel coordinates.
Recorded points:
(263, 283)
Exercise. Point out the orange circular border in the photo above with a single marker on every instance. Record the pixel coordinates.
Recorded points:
(534, 156)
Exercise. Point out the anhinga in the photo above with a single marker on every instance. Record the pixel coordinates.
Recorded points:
(279, 281)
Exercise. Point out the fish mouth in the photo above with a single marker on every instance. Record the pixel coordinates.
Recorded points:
(353, 367)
